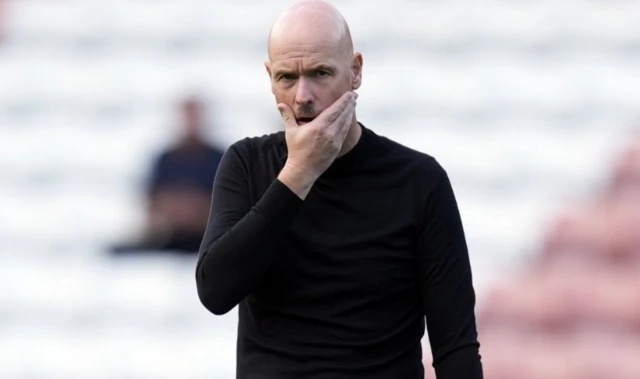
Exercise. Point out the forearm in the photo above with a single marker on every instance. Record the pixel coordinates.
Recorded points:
(453, 334)
(232, 262)
(464, 363)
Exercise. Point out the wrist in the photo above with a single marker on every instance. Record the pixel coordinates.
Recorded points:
(297, 179)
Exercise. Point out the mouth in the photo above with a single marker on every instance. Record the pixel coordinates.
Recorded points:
(305, 120)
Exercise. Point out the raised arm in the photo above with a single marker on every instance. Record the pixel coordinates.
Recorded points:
(241, 240)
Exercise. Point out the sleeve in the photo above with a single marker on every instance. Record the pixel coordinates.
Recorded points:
(241, 240)
(447, 287)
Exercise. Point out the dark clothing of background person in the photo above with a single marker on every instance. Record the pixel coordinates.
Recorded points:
(195, 168)
(178, 192)
(178, 196)
(182, 178)
(338, 285)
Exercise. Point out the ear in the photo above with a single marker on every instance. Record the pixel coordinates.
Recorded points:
(267, 66)
(356, 71)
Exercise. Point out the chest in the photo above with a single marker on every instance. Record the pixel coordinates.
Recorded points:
(350, 239)
(339, 215)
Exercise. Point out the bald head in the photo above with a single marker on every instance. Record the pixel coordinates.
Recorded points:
(311, 22)
(311, 59)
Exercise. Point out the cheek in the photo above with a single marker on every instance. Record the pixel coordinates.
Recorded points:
(283, 95)
(334, 91)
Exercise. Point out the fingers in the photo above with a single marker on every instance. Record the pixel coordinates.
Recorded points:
(332, 118)
(331, 114)
(343, 124)
(287, 115)
(340, 126)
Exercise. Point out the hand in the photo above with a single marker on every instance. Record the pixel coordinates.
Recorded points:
(314, 146)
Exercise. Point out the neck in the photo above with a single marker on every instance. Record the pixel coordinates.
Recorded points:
(353, 135)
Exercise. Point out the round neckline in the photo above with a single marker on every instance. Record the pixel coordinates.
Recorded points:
(357, 152)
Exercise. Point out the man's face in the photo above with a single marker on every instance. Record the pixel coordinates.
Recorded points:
(309, 77)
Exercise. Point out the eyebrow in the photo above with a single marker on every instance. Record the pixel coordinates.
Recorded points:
(322, 66)
(314, 68)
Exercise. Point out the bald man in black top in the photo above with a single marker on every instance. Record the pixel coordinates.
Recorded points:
(335, 242)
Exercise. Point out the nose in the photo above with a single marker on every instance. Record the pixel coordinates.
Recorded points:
(304, 92)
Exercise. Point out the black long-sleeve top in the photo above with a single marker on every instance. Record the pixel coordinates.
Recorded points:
(338, 285)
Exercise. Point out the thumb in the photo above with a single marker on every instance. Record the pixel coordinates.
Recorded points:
(287, 115)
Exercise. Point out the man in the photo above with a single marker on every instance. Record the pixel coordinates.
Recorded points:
(334, 241)
(178, 191)
(180, 183)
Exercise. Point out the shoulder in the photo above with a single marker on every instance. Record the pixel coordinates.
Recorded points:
(214, 150)
(254, 148)
(420, 163)
(253, 144)
(165, 156)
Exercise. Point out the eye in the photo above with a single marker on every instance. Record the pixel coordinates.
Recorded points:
(287, 77)
(322, 73)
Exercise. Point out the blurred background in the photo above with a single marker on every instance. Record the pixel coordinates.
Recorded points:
(114, 113)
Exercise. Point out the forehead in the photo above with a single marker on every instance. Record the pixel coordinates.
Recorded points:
(300, 53)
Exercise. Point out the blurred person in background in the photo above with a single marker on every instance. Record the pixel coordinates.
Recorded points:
(608, 224)
(626, 173)
(335, 242)
(574, 312)
(178, 192)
